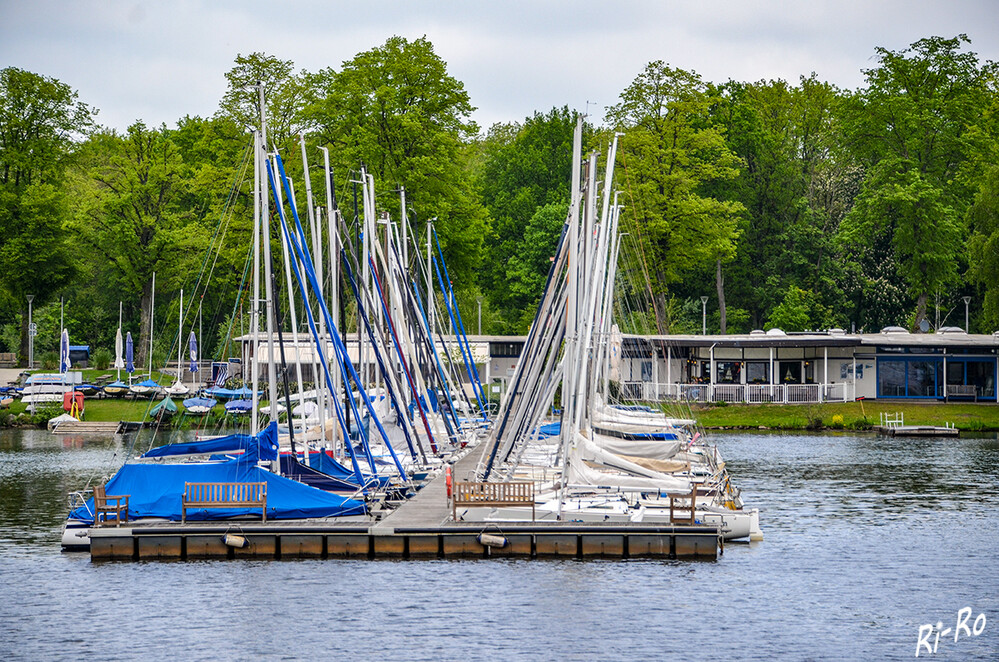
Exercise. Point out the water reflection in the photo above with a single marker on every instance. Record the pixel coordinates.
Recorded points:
(866, 539)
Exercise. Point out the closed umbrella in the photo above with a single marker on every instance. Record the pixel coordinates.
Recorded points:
(192, 344)
(64, 352)
(129, 354)
(119, 361)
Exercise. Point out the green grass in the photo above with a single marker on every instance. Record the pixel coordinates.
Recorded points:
(855, 415)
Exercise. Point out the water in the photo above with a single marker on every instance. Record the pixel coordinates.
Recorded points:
(866, 540)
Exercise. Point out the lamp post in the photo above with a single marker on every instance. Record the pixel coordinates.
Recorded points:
(31, 335)
(704, 316)
(967, 300)
(480, 316)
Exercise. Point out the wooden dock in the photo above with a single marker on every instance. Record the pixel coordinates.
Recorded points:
(917, 431)
(88, 427)
(420, 528)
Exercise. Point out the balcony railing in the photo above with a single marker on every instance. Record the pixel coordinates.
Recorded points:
(738, 393)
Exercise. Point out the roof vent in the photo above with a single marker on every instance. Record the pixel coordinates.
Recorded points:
(894, 329)
(776, 332)
(837, 332)
(760, 332)
(950, 329)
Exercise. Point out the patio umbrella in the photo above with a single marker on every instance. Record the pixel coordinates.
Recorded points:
(129, 354)
(64, 351)
(119, 362)
(192, 343)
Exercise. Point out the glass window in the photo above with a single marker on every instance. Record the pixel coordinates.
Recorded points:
(728, 372)
(891, 379)
(982, 375)
(809, 372)
(955, 373)
(790, 372)
(757, 372)
(923, 379)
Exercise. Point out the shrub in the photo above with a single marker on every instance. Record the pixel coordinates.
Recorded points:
(102, 358)
(50, 360)
(837, 421)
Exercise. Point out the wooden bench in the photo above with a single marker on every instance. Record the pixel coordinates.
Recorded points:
(8, 360)
(492, 495)
(224, 495)
(960, 391)
(109, 505)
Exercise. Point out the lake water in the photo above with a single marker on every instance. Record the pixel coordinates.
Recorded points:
(867, 539)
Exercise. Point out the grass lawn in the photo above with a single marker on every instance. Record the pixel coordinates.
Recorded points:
(851, 415)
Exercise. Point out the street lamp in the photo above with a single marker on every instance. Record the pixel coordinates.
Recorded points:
(480, 316)
(967, 300)
(704, 316)
(31, 335)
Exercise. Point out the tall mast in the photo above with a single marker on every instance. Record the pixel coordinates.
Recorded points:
(180, 332)
(152, 307)
(334, 262)
(268, 275)
(255, 321)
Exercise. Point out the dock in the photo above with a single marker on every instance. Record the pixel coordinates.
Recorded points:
(917, 431)
(420, 528)
(88, 427)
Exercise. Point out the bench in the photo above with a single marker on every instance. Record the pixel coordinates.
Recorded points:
(961, 391)
(224, 495)
(492, 495)
(8, 360)
(109, 505)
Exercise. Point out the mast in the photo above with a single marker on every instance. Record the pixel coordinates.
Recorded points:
(334, 266)
(152, 307)
(180, 332)
(255, 321)
(268, 275)
(118, 358)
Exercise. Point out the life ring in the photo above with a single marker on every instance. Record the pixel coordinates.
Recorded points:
(448, 481)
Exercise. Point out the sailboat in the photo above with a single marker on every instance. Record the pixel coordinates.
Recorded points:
(179, 387)
(604, 463)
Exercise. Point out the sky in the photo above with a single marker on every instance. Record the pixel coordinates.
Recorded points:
(161, 60)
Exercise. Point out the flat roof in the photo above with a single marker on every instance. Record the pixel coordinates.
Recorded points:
(826, 339)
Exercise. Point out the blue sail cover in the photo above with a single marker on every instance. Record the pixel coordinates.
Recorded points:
(329, 466)
(230, 393)
(232, 443)
(156, 490)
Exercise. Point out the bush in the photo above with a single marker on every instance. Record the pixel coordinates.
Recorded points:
(50, 360)
(102, 358)
(837, 421)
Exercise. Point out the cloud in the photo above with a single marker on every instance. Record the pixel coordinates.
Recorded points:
(160, 61)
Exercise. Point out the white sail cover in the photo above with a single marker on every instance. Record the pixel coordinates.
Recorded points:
(628, 475)
(653, 450)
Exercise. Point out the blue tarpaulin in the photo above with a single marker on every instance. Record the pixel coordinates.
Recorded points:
(156, 490)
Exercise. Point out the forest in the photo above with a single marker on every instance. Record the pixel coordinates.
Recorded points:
(790, 204)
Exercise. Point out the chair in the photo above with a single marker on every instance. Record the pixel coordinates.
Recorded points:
(109, 505)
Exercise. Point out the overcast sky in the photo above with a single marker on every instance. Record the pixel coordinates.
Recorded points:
(160, 60)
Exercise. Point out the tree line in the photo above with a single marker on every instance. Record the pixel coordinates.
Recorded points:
(796, 205)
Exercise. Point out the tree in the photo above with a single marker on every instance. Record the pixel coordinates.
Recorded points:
(669, 155)
(39, 119)
(285, 93)
(983, 246)
(913, 130)
(127, 213)
(529, 263)
(527, 168)
(397, 112)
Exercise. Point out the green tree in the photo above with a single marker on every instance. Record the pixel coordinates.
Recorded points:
(800, 310)
(397, 112)
(913, 129)
(671, 153)
(127, 214)
(526, 169)
(983, 246)
(39, 120)
(285, 94)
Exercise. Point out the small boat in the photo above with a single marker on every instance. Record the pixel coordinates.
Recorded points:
(239, 407)
(164, 409)
(87, 389)
(177, 388)
(147, 388)
(60, 419)
(116, 389)
(199, 406)
(5, 401)
(230, 393)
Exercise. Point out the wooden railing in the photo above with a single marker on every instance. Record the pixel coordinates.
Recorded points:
(492, 495)
(224, 495)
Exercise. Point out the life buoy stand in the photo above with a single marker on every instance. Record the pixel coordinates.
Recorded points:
(448, 481)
